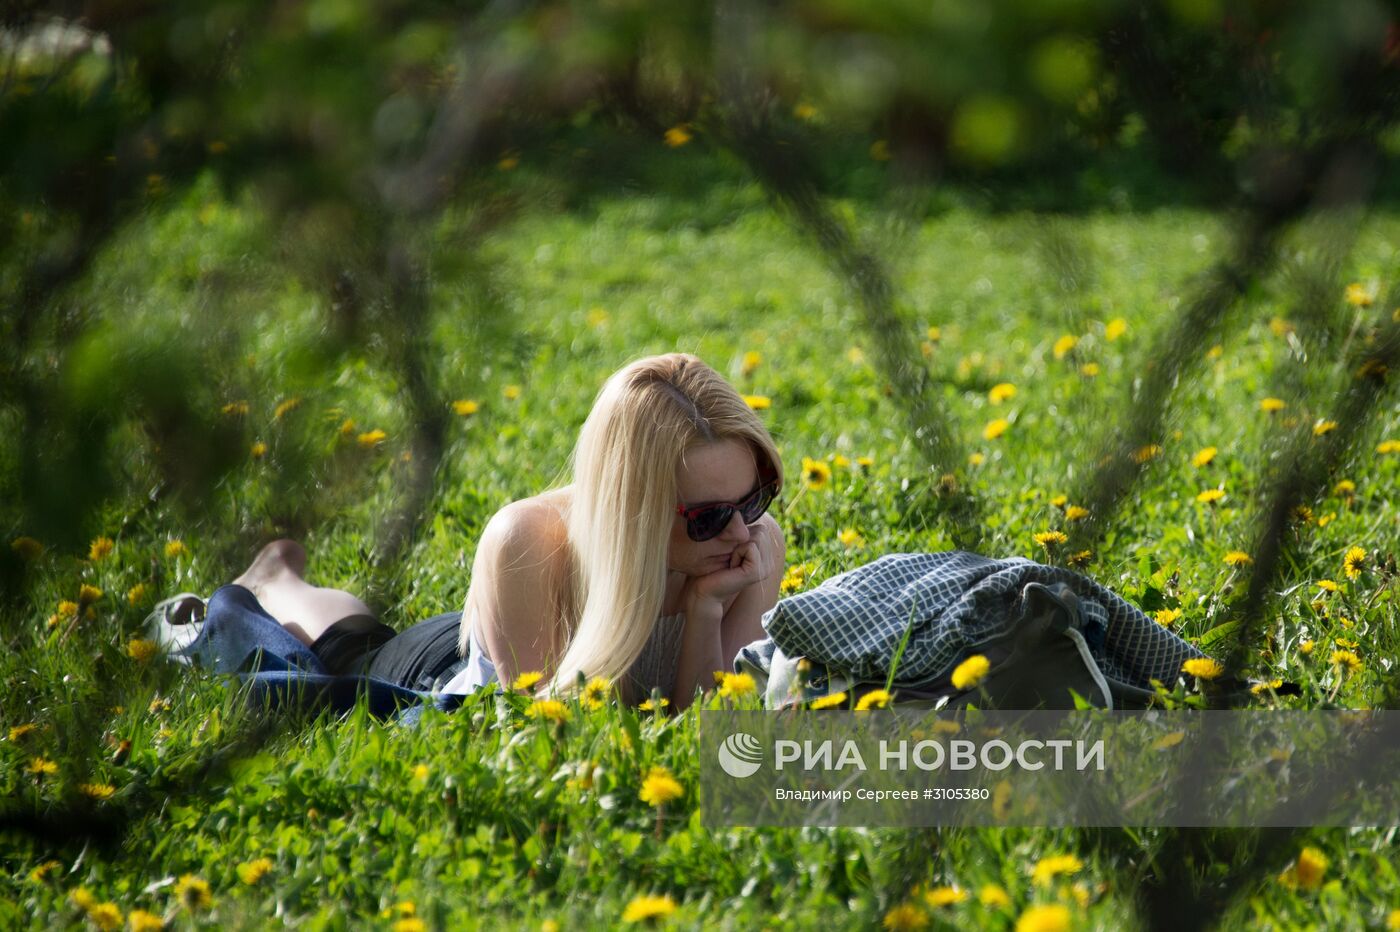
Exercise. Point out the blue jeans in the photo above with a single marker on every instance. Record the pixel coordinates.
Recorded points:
(240, 638)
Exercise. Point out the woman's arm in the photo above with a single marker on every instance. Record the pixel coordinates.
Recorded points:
(719, 620)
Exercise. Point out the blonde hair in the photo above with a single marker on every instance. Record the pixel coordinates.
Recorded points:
(622, 507)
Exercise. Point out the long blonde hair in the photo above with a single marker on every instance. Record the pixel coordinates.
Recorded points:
(622, 507)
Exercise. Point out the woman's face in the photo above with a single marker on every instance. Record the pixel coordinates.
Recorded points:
(723, 471)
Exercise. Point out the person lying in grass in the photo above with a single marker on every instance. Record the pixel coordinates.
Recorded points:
(651, 569)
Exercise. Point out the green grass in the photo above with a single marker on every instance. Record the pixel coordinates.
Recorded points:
(497, 829)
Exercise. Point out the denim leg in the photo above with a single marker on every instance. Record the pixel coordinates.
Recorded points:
(240, 637)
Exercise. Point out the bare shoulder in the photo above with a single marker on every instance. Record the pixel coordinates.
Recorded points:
(532, 530)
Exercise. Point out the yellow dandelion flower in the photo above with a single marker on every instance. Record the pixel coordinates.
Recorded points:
(1327, 585)
(285, 407)
(97, 790)
(839, 461)
(1323, 427)
(595, 692)
(660, 787)
(105, 916)
(1003, 391)
(1307, 871)
(1270, 405)
(651, 706)
(1115, 328)
(864, 462)
(1210, 496)
(20, 732)
(1238, 558)
(1358, 295)
(465, 407)
(1076, 513)
(905, 917)
(235, 408)
(1204, 457)
(643, 908)
(815, 473)
(551, 709)
(511, 392)
(508, 163)
(1089, 370)
(995, 429)
(141, 650)
(158, 704)
(1047, 869)
(175, 548)
(945, 896)
(804, 111)
(42, 767)
(409, 924)
(976, 459)
(100, 548)
(258, 450)
(1059, 501)
(371, 438)
(1345, 488)
(138, 920)
(347, 428)
(1392, 920)
(1203, 668)
(1215, 351)
(971, 672)
(1354, 563)
(677, 136)
(88, 594)
(875, 699)
(1047, 539)
(1169, 740)
(526, 681)
(1344, 642)
(1259, 689)
(1305, 647)
(935, 334)
(255, 870)
(1149, 452)
(27, 547)
(67, 609)
(1346, 658)
(138, 594)
(751, 361)
(1166, 616)
(829, 701)
(735, 685)
(1064, 345)
(1280, 327)
(993, 896)
(851, 538)
(758, 402)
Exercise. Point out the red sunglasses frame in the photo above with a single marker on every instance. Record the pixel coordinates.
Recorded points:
(769, 478)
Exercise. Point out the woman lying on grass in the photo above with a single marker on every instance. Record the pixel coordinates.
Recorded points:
(651, 569)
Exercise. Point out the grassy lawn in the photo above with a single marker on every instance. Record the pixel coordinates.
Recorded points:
(490, 818)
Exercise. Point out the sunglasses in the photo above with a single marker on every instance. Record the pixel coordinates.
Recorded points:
(706, 521)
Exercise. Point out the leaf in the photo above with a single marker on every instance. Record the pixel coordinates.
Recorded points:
(1214, 635)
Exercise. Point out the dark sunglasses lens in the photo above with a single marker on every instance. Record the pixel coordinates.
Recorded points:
(709, 523)
(754, 508)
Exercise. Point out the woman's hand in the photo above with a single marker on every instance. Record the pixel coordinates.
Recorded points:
(750, 562)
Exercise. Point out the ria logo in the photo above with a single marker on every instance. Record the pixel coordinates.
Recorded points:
(740, 755)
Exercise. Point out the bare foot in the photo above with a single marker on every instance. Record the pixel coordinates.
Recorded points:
(275, 562)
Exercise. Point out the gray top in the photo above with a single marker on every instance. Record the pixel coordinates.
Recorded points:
(656, 664)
